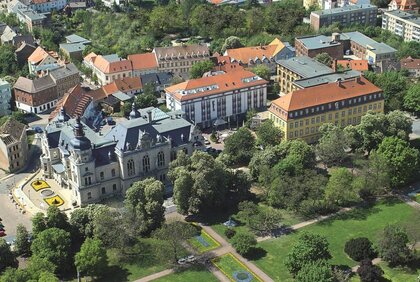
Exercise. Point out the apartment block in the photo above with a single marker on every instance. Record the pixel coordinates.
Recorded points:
(402, 24)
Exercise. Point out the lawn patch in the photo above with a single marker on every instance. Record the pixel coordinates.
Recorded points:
(234, 269)
(192, 274)
(203, 242)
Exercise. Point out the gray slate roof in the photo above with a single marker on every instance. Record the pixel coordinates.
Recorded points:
(327, 78)
(344, 9)
(406, 16)
(158, 78)
(305, 66)
(74, 38)
(317, 42)
(365, 41)
(72, 47)
(33, 86)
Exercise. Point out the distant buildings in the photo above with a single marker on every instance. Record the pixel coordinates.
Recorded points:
(46, 6)
(13, 145)
(301, 113)
(74, 46)
(345, 16)
(95, 166)
(403, 5)
(402, 24)
(180, 59)
(311, 46)
(264, 54)
(41, 94)
(27, 15)
(5, 97)
(218, 99)
(412, 66)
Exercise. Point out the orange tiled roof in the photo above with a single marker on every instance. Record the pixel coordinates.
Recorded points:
(223, 63)
(38, 55)
(75, 102)
(124, 85)
(143, 61)
(359, 65)
(410, 63)
(408, 5)
(323, 94)
(111, 67)
(245, 54)
(90, 57)
(225, 82)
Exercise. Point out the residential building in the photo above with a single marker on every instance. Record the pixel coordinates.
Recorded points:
(225, 63)
(46, 6)
(26, 15)
(345, 16)
(65, 77)
(7, 35)
(412, 66)
(263, 54)
(23, 38)
(325, 79)
(180, 59)
(22, 53)
(311, 46)
(5, 97)
(143, 63)
(74, 46)
(94, 166)
(300, 113)
(298, 68)
(357, 65)
(236, 2)
(402, 24)
(129, 85)
(220, 99)
(40, 61)
(403, 5)
(74, 38)
(108, 68)
(13, 145)
(160, 80)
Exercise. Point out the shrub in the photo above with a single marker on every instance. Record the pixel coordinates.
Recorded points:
(359, 249)
(229, 233)
(244, 243)
(369, 272)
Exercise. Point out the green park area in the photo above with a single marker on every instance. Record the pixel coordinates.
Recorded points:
(361, 222)
(203, 242)
(234, 269)
(193, 274)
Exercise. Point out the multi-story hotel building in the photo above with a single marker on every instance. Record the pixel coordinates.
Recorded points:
(402, 24)
(345, 16)
(224, 97)
(301, 113)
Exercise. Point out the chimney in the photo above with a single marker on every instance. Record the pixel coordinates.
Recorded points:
(334, 65)
(149, 116)
(335, 37)
(358, 79)
(339, 82)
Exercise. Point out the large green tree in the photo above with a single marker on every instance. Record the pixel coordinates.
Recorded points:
(340, 188)
(22, 244)
(268, 134)
(144, 203)
(92, 258)
(412, 99)
(262, 71)
(200, 68)
(244, 242)
(393, 245)
(240, 146)
(332, 145)
(315, 271)
(7, 258)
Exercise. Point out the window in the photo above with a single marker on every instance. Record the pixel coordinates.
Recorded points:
(86, 169)
(130, 168)
(146, 163)
(161, 159)
(101, 174)
(114, 187)
(89, 195)
(103, 190)
(113, 172)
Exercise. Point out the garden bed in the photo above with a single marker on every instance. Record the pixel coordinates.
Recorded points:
(234, 269)
(39, 185)
(203, 242)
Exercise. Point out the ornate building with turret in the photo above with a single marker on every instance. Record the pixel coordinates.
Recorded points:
(97, 165)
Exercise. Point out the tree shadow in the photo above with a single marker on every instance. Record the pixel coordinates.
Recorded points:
(256, 254)
(114, 273)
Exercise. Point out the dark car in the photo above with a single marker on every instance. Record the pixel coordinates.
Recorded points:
(38, 129)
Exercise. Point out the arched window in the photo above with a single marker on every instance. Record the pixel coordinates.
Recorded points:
(130, 168)
(161, 159)
(146, 163)
(173, 155)
(113, 172)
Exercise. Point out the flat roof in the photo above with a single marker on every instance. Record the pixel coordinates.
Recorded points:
(406, 16)
(305, 66)
(369, 43)
(72, 47)
(318, 42)
(343, 9)
(327, 78)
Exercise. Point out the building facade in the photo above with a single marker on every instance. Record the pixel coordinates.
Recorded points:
(311, 46)
(143, 63)
(219, 99)
(5, 97)
(412, 66)
(46, 6)
(345, 16)
(300, 113)
(180, 59)
(26, 15)
(65, 78)
(98, 166)
(402, 24)
(13, 145)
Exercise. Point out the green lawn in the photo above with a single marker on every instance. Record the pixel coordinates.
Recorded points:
(209, 243)
(228, 264)
(193, 274)
(367, 222)
(418, 197)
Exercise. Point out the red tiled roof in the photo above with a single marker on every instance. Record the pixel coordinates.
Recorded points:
(143, 61)
(359, 65)
(225, 82)
(251, 53)
(124, 85)
(326, 93)
(111, 67)
(40, 54)
(75, 102)
(410, 63)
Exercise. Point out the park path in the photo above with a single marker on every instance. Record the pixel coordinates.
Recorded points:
(409, 201)
(156, 275)
(374, 262)
(308, 222)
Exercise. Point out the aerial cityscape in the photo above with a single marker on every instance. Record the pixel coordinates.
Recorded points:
(210, 140)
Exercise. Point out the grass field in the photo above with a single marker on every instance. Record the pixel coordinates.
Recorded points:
(367, 222)
(418, 197)
(230, 266)
(193, 274)
(206, 244)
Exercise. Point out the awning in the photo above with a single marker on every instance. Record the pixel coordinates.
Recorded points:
(58, 168)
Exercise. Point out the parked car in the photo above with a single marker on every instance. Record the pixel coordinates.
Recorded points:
(37, 129)
(190, 258)
(2, 233)
(182, 261)
(207, 142)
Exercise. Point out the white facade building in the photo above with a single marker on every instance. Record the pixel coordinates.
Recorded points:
(219, 98)
(402, 24)
(5, 96)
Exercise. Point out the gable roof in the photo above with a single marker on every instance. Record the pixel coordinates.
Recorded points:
(245, 54)
(163, 53)
(210, 85)
(123, 85)
(34, 86)
(74, 102)
(40, 54)
(11, 131)
(326, 93)
(143, 61)
(107, 65)
(410, 63)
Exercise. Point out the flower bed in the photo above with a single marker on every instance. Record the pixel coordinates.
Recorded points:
(54, 201)
(235, 270)
(203, 242)
(39, 185)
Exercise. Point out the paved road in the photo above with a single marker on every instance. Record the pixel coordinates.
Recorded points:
(416, 129)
